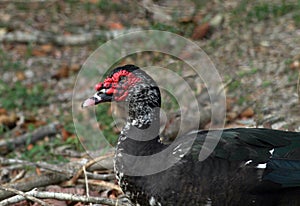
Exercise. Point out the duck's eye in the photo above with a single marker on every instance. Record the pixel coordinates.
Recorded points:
(122, 78)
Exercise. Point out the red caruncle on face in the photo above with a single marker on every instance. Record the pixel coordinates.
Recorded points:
(118, 84)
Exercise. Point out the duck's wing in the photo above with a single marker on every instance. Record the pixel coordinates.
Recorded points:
(276, 152)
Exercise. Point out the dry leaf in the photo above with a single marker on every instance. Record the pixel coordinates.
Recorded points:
(29, 147)
(65, 134)
(200, 31)
(9, 120)
(75, 67)
(38, 171)
(20, 75)
(295, 65)
(63, 72)
(116, 25)
(46, 48)
(3, 111)
(249, 112)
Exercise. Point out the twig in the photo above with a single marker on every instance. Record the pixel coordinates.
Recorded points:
(86, 183)
(90, 163)
(59, 174)
(62, 196)
(100, 176)
(19, 176)
(102, 184)
(43, 165)
(27, 196)
(75, 39)
(69, 170)
(39, 133)
(33, 182)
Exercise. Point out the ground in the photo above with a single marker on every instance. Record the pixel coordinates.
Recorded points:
(255, 46)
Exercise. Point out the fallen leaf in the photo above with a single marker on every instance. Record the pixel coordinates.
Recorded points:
(65, 134)
(20, 75)
(9, 120)
(249, 112)
(3, 111)
(116, 25)
(29, 147)
(113, 194)
(75, 67)
(32, 122)
(63, 72)
(295, 65)
(231, 116)
(185, 19)
(46, 48)
(38, 171)
(200, 31)
(38, 52)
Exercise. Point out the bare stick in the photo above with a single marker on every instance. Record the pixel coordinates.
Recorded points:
(75, 39)
(63, 196)
(100, 176)
(41, 132)
(65, 169)
(18, 176)
(44, 165)
(33, 182)
(59, 174)
(103, 184)
(90, 163)
(86, 183)
(27, 196)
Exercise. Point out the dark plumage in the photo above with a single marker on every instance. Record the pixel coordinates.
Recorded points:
(247, 167)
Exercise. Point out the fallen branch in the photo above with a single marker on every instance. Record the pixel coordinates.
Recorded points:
(87, 189)
(19, 164)
(100, 176)
(44, 165)
(47, 37)
(87, 165)
(8, 145)
(63, 196)
(33, 182)
(59, 173)
(24, 195)
(102, 183)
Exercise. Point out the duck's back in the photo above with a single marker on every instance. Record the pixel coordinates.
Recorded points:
(247, 167)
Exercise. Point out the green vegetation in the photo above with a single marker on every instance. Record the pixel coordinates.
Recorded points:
(42, 151)
(165, 27)
(262, 10)
(110, 6)
(266, 83)
(234, 85)
(19, 96)
(246, 73)
(106, 122)
(296, 18)
(6, 62)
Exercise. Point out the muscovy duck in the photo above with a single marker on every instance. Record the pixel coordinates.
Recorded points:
(248, 166)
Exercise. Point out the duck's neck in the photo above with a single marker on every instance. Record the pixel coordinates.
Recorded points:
(140, 135)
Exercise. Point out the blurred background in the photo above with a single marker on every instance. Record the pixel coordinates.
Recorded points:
(255, 46)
